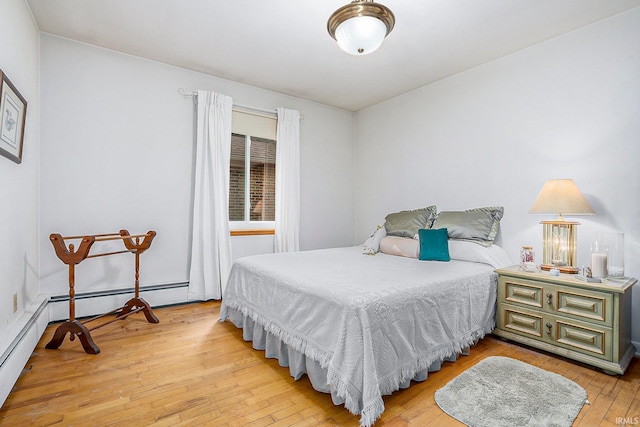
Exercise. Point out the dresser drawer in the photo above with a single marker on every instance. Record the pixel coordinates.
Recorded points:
(594, 306)
(523, 293)
(593, 340)
(518, 321)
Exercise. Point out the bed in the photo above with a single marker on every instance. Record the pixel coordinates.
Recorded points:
(364, 326)
(362, 322)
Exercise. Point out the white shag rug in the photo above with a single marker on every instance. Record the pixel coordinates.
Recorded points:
(500, 391)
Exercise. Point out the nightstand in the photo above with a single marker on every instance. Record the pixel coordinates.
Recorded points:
(585, 321)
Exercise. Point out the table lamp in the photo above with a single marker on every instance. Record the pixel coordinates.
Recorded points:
(559, 237)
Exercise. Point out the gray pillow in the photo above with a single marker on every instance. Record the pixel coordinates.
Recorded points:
(407, 223)
(478, 225)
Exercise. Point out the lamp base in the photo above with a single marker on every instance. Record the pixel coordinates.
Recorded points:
(563, 268)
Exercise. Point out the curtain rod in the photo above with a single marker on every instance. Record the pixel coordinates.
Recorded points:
(190, 93)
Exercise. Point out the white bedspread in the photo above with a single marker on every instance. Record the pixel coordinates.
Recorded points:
(372, 321)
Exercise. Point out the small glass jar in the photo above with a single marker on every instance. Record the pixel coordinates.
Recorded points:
(527, 258)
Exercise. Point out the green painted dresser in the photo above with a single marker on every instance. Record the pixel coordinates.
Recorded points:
(585, 321)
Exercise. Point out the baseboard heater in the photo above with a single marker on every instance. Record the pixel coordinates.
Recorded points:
(113, 292)
(27, 326)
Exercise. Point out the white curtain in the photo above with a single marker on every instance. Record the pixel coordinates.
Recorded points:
(287, 228)
(211, 244)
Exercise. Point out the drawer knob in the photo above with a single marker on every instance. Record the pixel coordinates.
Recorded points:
(550, 299)
(549, 326)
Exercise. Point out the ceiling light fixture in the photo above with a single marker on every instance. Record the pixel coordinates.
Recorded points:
(361, 26)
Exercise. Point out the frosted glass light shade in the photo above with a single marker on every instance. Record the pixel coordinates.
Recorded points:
(361, 35)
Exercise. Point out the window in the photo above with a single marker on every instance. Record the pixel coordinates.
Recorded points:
(252, 180)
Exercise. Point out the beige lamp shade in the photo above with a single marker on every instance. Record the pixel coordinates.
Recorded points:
(561, 196)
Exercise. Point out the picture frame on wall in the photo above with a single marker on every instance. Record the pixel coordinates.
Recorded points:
(13, 115)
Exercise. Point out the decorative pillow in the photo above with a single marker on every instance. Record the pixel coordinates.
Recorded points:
(407, 223)
(478, 225)
(401, 246)
(493, 255)
(434, 244)
(372, 244)
(496, 213)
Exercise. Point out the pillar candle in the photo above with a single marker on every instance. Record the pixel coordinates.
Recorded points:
(599, 265)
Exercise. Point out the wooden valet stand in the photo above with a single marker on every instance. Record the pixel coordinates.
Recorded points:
(72, 257)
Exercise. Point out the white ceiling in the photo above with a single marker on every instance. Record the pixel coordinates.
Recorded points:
(284, 45)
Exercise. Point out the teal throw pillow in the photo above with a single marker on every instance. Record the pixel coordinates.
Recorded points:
(434, 244)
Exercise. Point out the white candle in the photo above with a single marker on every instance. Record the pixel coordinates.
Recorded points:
(599, 265)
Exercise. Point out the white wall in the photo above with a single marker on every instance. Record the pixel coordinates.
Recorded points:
(19, 60)
(565, 108)
(117, 152)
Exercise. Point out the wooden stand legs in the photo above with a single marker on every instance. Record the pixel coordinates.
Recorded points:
(74, 328)
(77, 328)
(138, 304)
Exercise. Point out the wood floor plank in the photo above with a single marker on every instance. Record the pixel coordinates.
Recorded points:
(596, 412)
(191, 370)
(633, 413)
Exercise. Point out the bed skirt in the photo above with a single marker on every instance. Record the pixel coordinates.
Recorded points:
(300, 364)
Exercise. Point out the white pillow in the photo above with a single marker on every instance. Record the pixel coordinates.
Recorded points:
(493, 255)
(401, 246)
(371, 246)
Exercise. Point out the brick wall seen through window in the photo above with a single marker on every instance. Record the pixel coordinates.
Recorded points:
(262, 182)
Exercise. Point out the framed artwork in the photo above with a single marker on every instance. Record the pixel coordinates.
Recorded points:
(13, 114)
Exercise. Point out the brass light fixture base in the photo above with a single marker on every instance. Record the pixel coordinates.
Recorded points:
(360, 8)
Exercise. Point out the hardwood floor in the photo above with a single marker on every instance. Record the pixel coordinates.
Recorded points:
(192, 370)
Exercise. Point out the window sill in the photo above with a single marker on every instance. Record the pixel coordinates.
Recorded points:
(256, 232)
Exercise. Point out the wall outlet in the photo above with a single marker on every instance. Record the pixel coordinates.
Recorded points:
(15, 302)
